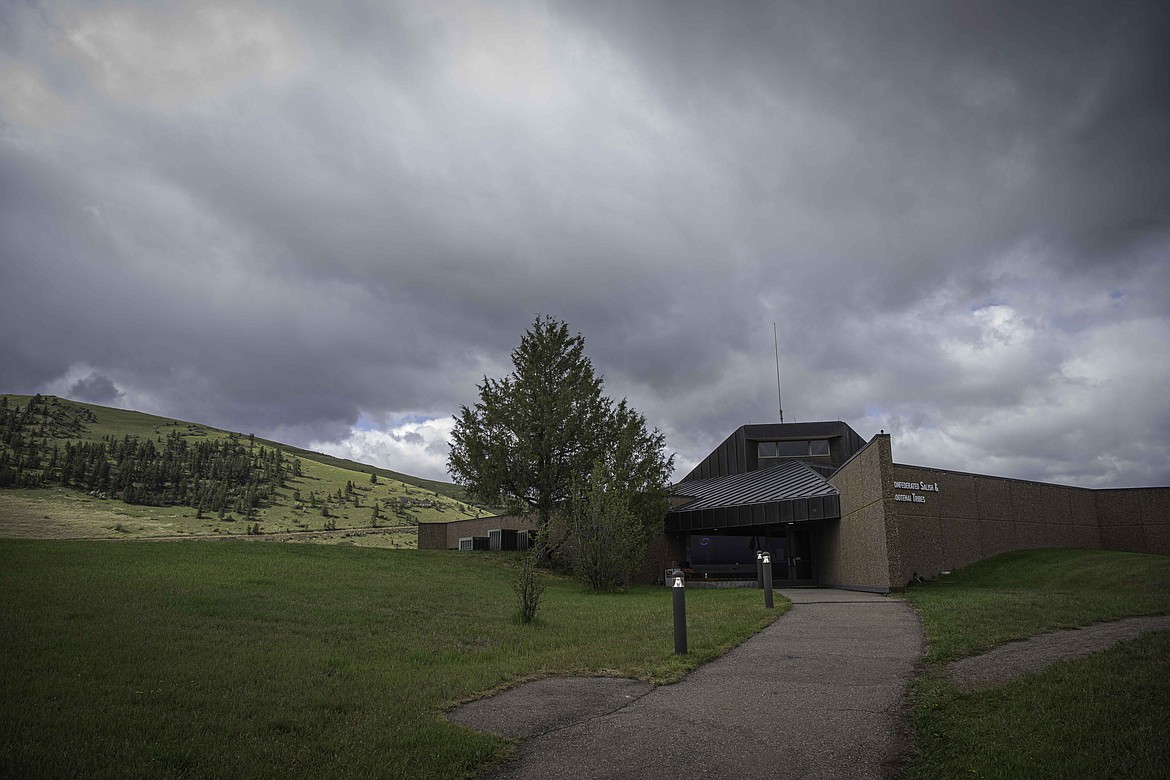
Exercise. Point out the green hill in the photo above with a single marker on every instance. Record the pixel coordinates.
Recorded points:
(71, 469)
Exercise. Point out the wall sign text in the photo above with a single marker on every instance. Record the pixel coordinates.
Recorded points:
(914, 498)
(925, 487)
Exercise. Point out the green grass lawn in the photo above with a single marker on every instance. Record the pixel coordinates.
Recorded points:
(1107, 715)
(1103, 716)
(273, 660)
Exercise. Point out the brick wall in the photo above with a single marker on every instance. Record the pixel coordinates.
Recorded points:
(663, 552)
(974, 516)
(432, 536)
(1134, 519)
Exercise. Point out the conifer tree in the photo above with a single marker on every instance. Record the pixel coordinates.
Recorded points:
(540, 430)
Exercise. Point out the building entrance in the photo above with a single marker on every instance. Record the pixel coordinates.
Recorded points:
(723, 556)
(795, 566)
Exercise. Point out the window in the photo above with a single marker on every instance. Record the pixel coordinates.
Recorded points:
(801, 448)
(791, 449)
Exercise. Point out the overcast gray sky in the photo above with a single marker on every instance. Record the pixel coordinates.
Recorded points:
(326, 225)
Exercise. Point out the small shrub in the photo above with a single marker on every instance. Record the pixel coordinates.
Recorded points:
(529, 587)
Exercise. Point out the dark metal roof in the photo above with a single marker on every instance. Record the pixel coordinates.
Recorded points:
(790, 492)
(787, 481)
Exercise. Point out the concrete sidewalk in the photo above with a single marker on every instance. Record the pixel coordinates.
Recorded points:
(818, 694)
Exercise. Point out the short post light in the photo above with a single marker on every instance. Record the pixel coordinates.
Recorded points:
(768, 581)
(759, 568)
(679, 594)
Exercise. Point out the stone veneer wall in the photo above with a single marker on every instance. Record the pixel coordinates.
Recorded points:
(855, 551)
(973, 516)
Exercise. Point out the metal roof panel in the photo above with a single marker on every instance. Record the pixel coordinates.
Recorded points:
(784, 482)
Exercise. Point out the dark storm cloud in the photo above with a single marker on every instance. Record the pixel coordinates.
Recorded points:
(97, 389)
(277, 219)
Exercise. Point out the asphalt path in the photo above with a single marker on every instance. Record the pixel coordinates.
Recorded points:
(821, 693)
(1035, 654)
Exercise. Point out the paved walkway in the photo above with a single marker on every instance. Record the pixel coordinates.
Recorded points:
(1036, 654)
(821, 693)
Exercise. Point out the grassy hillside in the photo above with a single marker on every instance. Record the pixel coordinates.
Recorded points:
(306, 502)
(269, 660)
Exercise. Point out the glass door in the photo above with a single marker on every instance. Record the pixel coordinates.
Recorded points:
(800, 556)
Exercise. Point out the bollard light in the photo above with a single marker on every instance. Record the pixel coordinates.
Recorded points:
(679, 594)
(768, 581)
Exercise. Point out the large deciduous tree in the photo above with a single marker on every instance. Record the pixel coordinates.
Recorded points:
(536, 433)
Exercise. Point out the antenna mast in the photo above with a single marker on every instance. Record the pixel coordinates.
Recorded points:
(776, 343)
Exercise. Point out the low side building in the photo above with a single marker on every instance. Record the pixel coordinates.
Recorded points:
(446, 535)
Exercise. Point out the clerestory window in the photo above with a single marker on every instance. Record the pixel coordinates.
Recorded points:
(769, 452)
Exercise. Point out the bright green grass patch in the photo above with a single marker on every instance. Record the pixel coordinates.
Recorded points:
(277, 660)
(1021, 594)
(1102, 716)
(398, 502)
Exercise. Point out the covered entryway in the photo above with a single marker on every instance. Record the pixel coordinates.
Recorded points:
(798, 566)
(722, 522)
(731, 555)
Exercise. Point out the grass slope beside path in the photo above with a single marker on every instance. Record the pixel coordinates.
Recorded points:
(1021, 594)
(270, 660)
(1102, 716)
